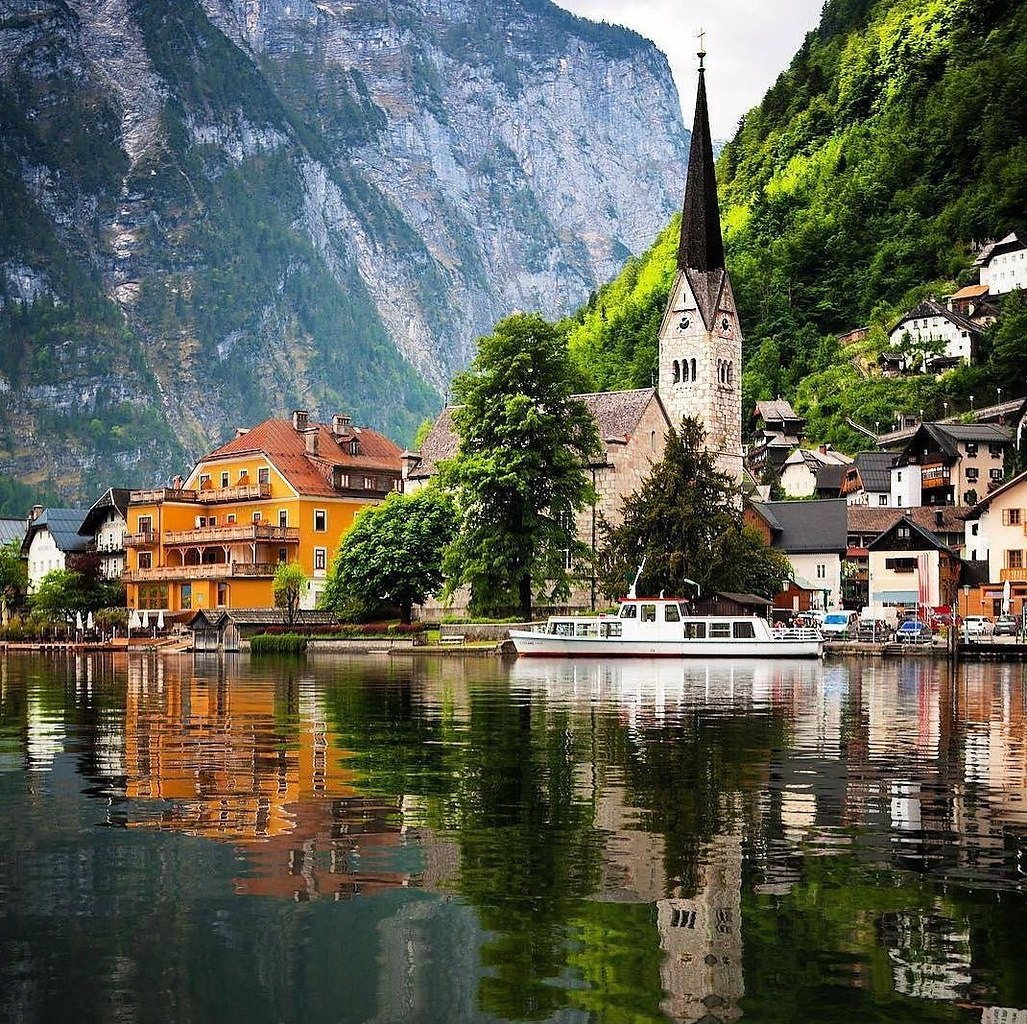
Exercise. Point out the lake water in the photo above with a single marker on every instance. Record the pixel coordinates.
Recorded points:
(386, 840)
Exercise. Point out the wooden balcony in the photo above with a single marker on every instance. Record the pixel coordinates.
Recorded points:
(159, 495)
(1013, 575)
(241, 492)
(209, 571)
(140, 540)
(232, 534)
(936, 476)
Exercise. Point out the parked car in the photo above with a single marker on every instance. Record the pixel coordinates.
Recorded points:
(1006, 625)
(976, 626)
(836, 625)
(912, 631)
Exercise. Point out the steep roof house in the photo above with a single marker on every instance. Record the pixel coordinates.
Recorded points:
(104, 526)
(1003, 265)
(813, 536)
(283, 491)
(950, 464)
(799, 472)
(931, 337)
(911, 569)
(875, 476)
(51, 540)
(777, 430)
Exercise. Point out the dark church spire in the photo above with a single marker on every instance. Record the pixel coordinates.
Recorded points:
(701, 246)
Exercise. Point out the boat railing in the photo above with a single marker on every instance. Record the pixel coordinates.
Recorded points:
(797, 633)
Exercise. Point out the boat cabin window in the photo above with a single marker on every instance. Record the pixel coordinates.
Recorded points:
(695, 630)
(562, 628)
(671, 613)
(743, 630)
(648, 613)
(629, 611)
(611, 629)
(720, 629)
(585, 629)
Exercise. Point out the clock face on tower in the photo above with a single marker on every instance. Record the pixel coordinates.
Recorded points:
(724, 325)
(684, 321)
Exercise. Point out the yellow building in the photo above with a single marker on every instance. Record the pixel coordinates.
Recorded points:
(279, 492)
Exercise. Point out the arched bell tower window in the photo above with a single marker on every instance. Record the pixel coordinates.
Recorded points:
(693, 371)
(677, 372)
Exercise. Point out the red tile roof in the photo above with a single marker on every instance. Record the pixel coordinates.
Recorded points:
(286, 449)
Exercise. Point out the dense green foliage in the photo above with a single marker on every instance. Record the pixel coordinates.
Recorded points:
(287, 588)
(392, 556)
(684, 527)
(893, 145)
(519, 474)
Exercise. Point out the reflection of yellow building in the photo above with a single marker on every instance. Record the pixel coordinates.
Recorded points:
(281, 492)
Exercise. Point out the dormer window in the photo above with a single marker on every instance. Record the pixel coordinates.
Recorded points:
(354, 447)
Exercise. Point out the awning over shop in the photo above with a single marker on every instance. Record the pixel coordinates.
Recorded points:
(895, 597)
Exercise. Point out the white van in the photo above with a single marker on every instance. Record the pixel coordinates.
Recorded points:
(836, 625)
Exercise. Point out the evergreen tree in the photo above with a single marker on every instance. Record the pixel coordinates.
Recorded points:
(519, 474)
(685, 522)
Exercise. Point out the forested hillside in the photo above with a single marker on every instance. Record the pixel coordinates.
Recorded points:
(894, 144)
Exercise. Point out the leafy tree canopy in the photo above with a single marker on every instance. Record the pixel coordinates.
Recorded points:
(519, 474)
(685, 522)
(61, 592)
(393, 554)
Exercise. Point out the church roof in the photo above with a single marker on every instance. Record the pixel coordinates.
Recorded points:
(701, 246)
(617, 415)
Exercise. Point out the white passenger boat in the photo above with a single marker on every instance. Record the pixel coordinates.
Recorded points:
(663, 627)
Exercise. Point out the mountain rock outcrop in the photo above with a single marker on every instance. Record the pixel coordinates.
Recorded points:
(213, 211)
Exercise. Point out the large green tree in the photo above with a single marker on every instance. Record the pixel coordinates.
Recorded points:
(287, 588)
(393, 554)
(519, 474)
(13, 578)
(685, 522)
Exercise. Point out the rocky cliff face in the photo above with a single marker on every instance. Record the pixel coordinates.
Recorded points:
(214, 211)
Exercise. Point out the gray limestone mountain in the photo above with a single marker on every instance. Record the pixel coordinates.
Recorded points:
(215, 210)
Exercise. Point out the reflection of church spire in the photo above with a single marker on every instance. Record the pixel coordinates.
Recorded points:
(701, 247)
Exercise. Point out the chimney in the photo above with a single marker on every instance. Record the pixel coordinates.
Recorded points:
(340, 424)
(35, 512)
(241, 431)
(300, 418)
(310, 436)
(939, 517)
(176, 483)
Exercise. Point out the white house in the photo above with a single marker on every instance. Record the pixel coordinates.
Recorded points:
(105, 525)
(1003, 265)
(50, 538)
(943, 337)
(799, 471)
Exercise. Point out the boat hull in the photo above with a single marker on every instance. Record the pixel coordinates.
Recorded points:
(529, 644)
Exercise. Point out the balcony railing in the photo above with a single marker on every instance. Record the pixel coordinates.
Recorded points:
(232, 534)
(1013, 575)
(937, 476)
(158, 495)
(241, 492)
(209, 571)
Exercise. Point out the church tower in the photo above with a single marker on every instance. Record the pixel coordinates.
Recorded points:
(700, 337)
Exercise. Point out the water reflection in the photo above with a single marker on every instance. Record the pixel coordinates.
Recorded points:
(567, 839)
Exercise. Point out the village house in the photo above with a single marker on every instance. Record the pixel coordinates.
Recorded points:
(996, 535)
(813, 536)
(51, 541)
(949, 464)
(104, 526)
(931, 337)
(1003, 265)
(777, 431)
(799, 472)
(874, 470)
(283, 491)
(866, 523)
(910, 570)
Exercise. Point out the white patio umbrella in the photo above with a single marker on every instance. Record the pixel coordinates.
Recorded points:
(160, 620)
(145, 623)
(134, 621)
(1005, 597)
(89, 620)
(78, 622)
